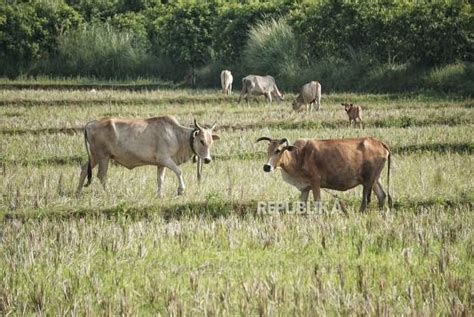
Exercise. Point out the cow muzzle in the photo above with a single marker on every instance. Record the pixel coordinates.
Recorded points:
(267, 168)
(207, 160)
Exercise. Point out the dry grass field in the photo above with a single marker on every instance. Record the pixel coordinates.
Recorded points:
(126, 251)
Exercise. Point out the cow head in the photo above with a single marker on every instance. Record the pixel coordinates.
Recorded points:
(296, 105)
(347, 106)
(202, 139)
(275, 151)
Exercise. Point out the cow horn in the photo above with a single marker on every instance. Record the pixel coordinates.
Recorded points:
(264, 138)
(284, 140)
(197, 125)
(213, 126)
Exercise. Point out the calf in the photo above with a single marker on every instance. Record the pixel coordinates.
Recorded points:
(334, 164)
(353, 112)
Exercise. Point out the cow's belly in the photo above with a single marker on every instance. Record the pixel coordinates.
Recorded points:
(298, 182)
(340, 182)
(131, 159)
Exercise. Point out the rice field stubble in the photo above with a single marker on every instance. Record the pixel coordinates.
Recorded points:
(209, 252)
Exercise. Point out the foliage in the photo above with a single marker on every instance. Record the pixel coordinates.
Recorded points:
(232, 25)
(195, 38)
(272, 49)
(29, 32)
(184, 36)
(100, 50)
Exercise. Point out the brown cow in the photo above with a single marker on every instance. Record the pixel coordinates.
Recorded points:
(334, 164)
(159, 141)
(353, 112)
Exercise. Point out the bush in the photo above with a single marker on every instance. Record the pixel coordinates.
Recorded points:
(457, 78)
(100, 51)
(232, 25)
(29, 33)
(272, 49)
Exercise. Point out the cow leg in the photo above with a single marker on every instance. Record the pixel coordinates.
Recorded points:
(169, 163)
(365, 196)
(229, 90)
(242, 93)
(160, 179)
(102, 173)
(378, 190)
(304, 194)
(83, 175)
(360, 123)
(269, 97)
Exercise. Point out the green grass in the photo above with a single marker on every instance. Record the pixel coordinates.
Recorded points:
(127, 251)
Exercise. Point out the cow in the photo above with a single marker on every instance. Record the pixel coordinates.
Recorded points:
(310, 94)
(260, 85)
(354, 113)
(226, 81)
(311, 164)
(159, 141)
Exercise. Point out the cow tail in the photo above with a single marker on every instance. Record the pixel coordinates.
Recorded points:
(89, 165)
(390, 201)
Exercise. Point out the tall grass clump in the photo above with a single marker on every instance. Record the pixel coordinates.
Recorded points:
(272, 49)
(457, 78)
(100, 50)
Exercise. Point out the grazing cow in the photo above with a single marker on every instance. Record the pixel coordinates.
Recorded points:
(334, 164)
(310, 94)
(159, 141)
(354, 113)
(226, 81)
(260, 85)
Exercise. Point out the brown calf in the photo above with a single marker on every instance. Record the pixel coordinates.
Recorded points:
(353, 112)
(334, 164)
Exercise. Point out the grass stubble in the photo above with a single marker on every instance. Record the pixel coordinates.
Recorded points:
(208, 252)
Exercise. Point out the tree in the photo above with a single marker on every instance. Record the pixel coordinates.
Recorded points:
(184, 35)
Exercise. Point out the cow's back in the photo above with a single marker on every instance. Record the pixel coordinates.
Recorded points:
(343, 163)
(260, 84)
(311, 91)
(133, 142)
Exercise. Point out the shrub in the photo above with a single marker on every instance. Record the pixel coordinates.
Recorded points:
(452, 78)
(272, 49)
(100, 51)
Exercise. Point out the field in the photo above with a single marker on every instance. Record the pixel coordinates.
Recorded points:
(126, 251)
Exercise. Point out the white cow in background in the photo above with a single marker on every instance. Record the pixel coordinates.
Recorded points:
(226, 81)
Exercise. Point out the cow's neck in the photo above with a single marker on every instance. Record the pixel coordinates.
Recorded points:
(185, 151)
(289, 161)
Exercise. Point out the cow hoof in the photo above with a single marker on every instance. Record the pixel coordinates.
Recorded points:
(180, 191)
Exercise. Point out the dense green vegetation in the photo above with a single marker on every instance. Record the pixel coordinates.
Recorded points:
(129, 252)
(388, 46)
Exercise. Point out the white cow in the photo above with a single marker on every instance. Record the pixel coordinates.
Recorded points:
(310, 94)
(226, 81)
(260, 85)
(159, 141)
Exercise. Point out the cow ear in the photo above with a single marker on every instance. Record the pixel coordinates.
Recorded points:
(290, 148)
(215, 137)
(195, 133)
